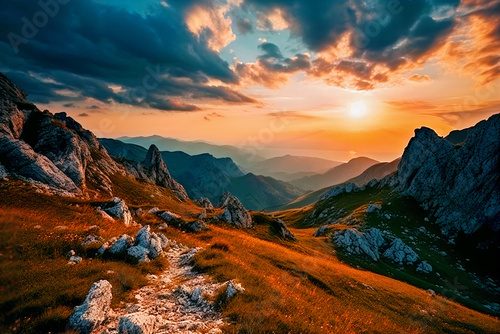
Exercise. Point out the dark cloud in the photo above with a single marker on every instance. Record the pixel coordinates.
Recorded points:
(89, 47)
(244, 25)
(83, 114)
(385, 34)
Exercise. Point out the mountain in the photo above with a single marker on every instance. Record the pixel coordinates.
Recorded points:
(335, 175)
(291, 167)
(262, 192)
(458, 183)
(375, 172)
(51, 151)
(238, 155)
(206, 176)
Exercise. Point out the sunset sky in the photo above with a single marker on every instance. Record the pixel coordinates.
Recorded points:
(333, 79)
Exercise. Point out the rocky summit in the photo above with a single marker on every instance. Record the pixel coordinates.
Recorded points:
(458, 183)
(52, 151)
(234, 212)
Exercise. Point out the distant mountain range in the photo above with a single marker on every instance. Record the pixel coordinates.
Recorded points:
(240, 156)
(289, 167)
(336, 175)
(203, 175)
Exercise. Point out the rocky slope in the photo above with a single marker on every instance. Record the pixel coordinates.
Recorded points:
(459, 184)
(52, 151)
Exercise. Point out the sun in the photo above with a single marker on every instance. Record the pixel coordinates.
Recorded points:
(358, 109)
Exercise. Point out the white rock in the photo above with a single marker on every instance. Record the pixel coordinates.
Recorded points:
(169, 216)
(234, 212)
(400, 253)
(75, 260)
(120, 246)
(154, 210)
(232, 289)
(356, 242)
(94, 310)
(137, 323)
(138, 254)
(373, 208)
(424, 267)
(117, 208)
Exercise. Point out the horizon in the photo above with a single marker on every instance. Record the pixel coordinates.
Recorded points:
(270, 76)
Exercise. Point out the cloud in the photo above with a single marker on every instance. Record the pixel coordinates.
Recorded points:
(213, 115)
(244, 25)
(83, 114)
(361, 44)
(90, 47)
(419, 78)
(295, 115)
(272, 67)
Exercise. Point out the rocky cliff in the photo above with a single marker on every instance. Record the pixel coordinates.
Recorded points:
(52, 151)
(155, 170)
(458, 183)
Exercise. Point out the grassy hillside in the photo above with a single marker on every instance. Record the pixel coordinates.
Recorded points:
(296, 287)
(454, 273)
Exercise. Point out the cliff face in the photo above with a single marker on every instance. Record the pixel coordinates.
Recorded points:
(50, 150)
(459, 183)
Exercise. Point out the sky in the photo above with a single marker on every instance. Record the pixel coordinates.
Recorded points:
(332, 79)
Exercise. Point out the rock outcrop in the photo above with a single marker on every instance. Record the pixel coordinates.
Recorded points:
(50, 150)
(279, 228)
(137, 323)
(154, 169)
(234, 212)
(458, 183)
(118, 209)
(400, 253)
(94, 310)
(357, 242)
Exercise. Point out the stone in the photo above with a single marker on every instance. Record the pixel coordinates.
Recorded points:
(232, 289)
(120, 246)
(118, 209)
(372, 208)
(75, 260)
(322, 231)
(154, 210)
(137, 323)
(339, 190)
(70, 253)
(94, 310)
(205, 203)
(169, 216)
(279, 228)
(400, 253)
(92, 240)
(424, 267)
(138, 254)
(356, 242)
(195, 226)
(234, 212)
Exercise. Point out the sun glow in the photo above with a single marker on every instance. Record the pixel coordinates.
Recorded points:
(358, 109)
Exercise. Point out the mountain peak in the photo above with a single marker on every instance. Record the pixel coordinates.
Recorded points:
(153, 158)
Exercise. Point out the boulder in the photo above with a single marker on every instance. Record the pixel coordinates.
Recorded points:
(232, 289)
(194, 226)
(234, 212)
(154, 210)
(137, 323)
(356, 242)
(400, 253)
(138, 254)
(322, 231)
(205, 203)
(75, 260)
(168, 216)
(424, 267)
(279, 228)
(373, 208)
(120, 246)
(118, 209)
(150, 241)
(94, 310)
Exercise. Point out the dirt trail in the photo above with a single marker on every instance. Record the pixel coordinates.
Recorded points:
(177, 298)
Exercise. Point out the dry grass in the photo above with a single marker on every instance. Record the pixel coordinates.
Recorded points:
(38, 289)
(291, 287)
(303, 288)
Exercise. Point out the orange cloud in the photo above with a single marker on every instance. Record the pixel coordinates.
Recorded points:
(419, 78)
(212, 23)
